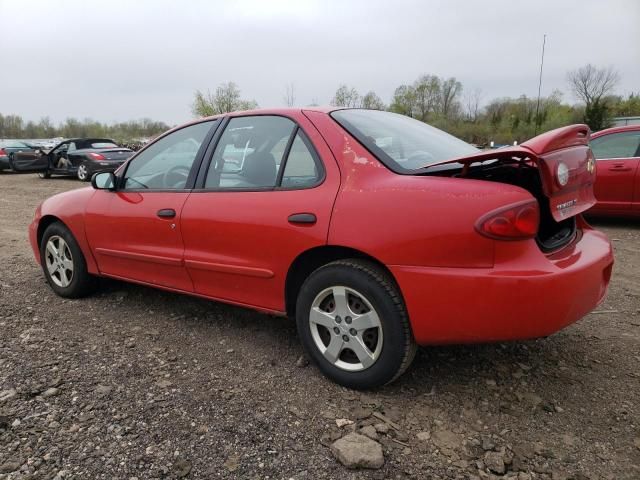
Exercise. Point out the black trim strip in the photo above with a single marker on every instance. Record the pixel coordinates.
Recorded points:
(285, 154)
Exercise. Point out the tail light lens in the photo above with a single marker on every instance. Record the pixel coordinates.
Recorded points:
(515, 222)
(2, 153)
(97, 156)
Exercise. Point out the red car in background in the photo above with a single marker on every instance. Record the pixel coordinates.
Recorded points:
(375, 231)
(617, 189)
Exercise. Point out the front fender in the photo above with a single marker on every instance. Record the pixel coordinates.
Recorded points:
(68, 208)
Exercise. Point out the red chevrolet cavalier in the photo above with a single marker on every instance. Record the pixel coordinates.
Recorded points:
(375, 231)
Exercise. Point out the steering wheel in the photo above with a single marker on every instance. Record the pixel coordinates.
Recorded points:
(176, 177)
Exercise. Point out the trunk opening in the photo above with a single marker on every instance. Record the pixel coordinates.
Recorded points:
(552, 234)
(557, 168)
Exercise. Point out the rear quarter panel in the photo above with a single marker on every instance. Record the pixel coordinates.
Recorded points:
(406, 219)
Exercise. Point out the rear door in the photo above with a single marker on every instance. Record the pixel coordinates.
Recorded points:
(135, 231)
(617, 159)
(265, 197)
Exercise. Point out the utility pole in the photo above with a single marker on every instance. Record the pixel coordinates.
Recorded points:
(544, 41)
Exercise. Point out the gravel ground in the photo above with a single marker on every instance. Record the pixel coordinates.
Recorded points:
(138, 383)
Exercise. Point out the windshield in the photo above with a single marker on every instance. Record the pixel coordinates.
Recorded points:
(403, 144)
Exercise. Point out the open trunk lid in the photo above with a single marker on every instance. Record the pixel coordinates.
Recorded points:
(565, 162)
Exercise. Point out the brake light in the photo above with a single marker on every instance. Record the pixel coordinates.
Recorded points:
(515, 222)
(2, 153)
(97, 156)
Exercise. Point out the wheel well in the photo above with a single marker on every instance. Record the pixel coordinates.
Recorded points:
(44, 223)
(310, 260)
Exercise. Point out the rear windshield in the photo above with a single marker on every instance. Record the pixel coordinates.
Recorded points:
(13, 144)
(403, 144)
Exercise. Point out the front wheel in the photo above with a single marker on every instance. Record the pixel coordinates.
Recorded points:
(83, 173)
(353, 324)
(64, 264)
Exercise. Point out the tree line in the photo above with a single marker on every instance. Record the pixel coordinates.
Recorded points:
(14, 126)
(440, 101)
(446, 104)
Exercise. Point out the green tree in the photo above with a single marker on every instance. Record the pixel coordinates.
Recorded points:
(346, 97)
(225, 99)
(373, 101)
(404, 100)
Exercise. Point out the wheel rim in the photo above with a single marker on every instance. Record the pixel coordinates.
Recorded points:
(82, 172)
(59, 261)
(346, 328)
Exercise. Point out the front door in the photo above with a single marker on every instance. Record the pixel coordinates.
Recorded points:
(617, 158)
(267, 197)
(135, 231)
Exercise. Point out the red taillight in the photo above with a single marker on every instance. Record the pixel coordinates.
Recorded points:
(2, 153)
(515, 222)
(97, 156)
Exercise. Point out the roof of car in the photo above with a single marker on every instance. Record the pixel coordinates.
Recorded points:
(622, 128)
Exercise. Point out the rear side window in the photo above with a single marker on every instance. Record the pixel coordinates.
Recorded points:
(616, 145)
(302, 167)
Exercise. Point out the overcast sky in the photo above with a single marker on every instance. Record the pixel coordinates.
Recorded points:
(115, 60)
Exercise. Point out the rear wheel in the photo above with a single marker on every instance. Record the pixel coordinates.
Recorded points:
(83, 173)
(64, 264)
(353, 324)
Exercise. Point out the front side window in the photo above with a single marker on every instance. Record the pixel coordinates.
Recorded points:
(249, 153)
(616, 145)
(403, 144)
(166, 164)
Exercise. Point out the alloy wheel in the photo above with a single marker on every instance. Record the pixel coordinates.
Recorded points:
(82, 172)
(59, 261)
(346, 328)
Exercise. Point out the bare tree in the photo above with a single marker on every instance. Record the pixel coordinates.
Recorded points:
(226, 99)
(290, 95)
(472, 104)
(451, 89)
(591, 84)
(346, 97)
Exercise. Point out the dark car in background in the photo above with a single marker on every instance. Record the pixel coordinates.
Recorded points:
(78, 157)
(8, 150)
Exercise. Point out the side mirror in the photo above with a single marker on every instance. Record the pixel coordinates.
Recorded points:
(104, 181)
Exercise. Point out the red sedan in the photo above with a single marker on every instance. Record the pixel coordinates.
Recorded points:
(376, 232)
(617, 152)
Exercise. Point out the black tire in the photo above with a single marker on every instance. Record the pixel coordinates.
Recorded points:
(81, 282)
(84, 172)
(380, 290)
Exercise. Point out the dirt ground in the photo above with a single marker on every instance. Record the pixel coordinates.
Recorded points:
(135, 383)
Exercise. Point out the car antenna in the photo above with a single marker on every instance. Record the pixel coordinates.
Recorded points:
(535, 130)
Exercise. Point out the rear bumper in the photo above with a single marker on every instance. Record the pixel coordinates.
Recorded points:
(4, 162)
(525, 295)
